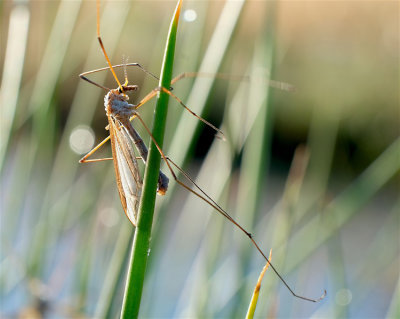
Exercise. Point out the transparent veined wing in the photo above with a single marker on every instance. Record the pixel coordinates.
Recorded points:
(127, 172)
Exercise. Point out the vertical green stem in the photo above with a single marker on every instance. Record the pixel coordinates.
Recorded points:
(141, 241)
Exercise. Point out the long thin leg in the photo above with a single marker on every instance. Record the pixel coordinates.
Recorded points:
(149, 96)
(103, 159)
(94, 150)
(85, 158)
(222, 136)
(141, 147)
(272, 83)
(205, 197)
(83, 75)
(153, 93)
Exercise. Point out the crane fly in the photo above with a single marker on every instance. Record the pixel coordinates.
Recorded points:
(125, 139)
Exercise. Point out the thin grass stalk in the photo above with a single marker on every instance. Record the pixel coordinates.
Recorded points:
(337, 267)
(388, 261)
(346, 205)
(321, 140)
(43, 116)
(254, 298)
(185, 130)
(141, 242)
(216, 50)
(257, 149)
(394, 308)
(217, 181)
(115, 270)
(220, 155)
(12, 73)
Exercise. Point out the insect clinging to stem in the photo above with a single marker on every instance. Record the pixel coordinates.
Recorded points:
(125, 139)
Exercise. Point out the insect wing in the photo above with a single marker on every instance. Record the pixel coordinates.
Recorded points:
(127, 172)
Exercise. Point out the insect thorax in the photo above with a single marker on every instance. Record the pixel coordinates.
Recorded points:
(116, 104)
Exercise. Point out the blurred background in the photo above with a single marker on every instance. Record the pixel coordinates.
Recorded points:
(312, 173)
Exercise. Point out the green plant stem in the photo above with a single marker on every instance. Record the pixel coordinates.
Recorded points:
(141, 241)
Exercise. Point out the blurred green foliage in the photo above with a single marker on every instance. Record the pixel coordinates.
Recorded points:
(332, 224)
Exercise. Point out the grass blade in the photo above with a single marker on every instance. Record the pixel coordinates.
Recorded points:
(254, 297)
(141, 242)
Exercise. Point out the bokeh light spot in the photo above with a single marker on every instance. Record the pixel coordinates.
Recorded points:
(81, 139)
(189, 15)
(343, 297)
(109, 216)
